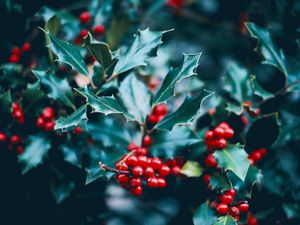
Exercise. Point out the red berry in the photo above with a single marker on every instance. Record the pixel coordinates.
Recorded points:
(83, 33)
(222, 209)
(16, 51)
(153, 83)
(256, 156)
(142, 160)
(210, 161)
(152, 182)
(142, 151)
(224, 125)
(15, 139)
(132, 160)
(99, 29)
(209, 135)
(137, 171)
(77, 40)
(221, 143)
(227, 199)
(85, 17)
(206, 179)
(231, 192)
(40, 122)
(156, 163)
(244, 120)
(160, 110)
(77, 130)
(228, 133)
(123, 178)
(153, 119)
(235, 212)
(262, 151)
(175, 170)
(26, 47)
(149, 171)
(135, 182)
(171, 163)
(18, 114)
(49, 126)
(164, 170)
(177, 4)
(14, 59)
(136, 191)
(15, 106)
(252, 221)
(132, 146)
(243, 207)
(218, 132)
(121, 166)
(20, 149)
(3, 137)
(48, 113)
(147, 140)
(161, 182)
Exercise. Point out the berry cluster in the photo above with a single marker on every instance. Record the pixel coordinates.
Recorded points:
(85, 19)
(216, 139)
(14, 142)
(257, 155)
(17, 52)
(17, 113)
(226, 205)
(136, 167)
(45, 121)
(158, 113)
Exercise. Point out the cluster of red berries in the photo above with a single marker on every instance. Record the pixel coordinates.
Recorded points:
(136, 167)
(257, 155)
(176, 4)
(225, 205)
(216, 139)
(17, 113)
(14, 142)
(45, 121)
(16, 52)
(158, 113)
(85, 18)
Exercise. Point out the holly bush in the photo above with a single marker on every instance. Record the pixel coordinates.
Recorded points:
(150, 112)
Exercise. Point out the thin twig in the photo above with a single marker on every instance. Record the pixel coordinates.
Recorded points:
(110, 169)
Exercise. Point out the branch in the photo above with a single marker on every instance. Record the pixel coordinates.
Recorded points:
(110, 169)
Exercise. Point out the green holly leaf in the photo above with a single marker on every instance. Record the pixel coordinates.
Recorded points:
(237, 83)
(101, 51)
(35, 152)
(186, 111)
(105, 105)
(191, 169)
(110, 133)
(219, 182)
(234, 158)
(187, 69)
(234, 108)
(271, 53)
(57, 88)
(204, 215)
(258, 90)
(32, 95)
(136, 97)
(5, 109)
(72, 120)
(67, 53)
(167, 144)
(291, 210)
(226, 220)
(143, 48)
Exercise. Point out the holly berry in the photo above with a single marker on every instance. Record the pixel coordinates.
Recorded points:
(15, 106)
(48, 113)
(16, 51)
(175, 170)
(231, 192)
(121, 166)
(132, 146)
(252, 221)
(85, 17)
(3, 137)
(83, 33)
(136, 191)
(222, 209)
(77, 130)
(210, 161)
(156, 163)
(40, 122)
(209, 135)
(26, 47)
(244, 207)
(132, 160)
(152, 182)
(235, 212)
(206, 179)
(147, 140)
(135, 182)
(14, 59)
(164, 170)
(123, 178)
(15, 139)
(49, 126)
(99, 29)
(142, 151)
(161, 182)
(142, 160)
(153, 119)
(137, 171)
(161, 109)
(20, 149)
(149, 171)
(227, 199)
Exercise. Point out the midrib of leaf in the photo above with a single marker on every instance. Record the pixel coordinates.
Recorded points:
(57, 42)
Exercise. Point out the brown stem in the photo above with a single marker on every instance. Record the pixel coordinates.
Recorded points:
(110, 169)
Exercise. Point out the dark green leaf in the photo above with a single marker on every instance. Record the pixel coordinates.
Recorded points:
(35, 152)
(67, 53)
(234, 158)
(258, 90)
(291, 210)
(5, 109)
(72, 120)
(219, 182)
(105, 105)
(142, 49)
(185, 113)
(226, 220)
(204, 215)
(234, 108)
(58, 89)
(187, 69)
(136, 97)
(32, 95)
(191, 169)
